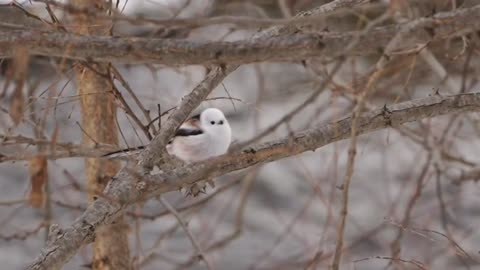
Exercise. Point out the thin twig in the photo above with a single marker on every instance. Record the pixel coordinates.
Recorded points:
(196, 245)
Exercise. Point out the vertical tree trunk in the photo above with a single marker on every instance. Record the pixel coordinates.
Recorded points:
(110, 249)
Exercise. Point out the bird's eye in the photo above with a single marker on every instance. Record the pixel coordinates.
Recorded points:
(212, 122)
(221, 122)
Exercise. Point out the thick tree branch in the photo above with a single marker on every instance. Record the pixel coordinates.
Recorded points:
(301, 19)
(99, 114)
(416, 31)
(214, 76)
(189, 102)
(183, 52)
(129, 187)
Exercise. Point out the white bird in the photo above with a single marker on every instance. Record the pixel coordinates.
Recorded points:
(202, 136)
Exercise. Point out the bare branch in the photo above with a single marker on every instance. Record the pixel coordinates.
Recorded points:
(128, 188)
(200, 253)
(281, 48)
(155, 149)
(239, 21)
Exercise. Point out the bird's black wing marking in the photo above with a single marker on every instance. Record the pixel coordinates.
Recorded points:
(183, 132)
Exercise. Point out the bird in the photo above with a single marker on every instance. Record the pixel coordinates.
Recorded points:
(201, 137)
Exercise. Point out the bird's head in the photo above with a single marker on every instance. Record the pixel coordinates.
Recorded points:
(215, 123)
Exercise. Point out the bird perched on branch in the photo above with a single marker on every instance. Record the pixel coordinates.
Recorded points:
(202, 136)
(205, 135)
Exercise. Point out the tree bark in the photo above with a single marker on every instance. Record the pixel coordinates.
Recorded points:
(291, 47)
(131, 187)
(110, 249)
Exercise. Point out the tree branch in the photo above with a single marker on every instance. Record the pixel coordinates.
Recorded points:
(214, 76)
(155, 150)
(128, 187)
(281, 48)
(240, 21)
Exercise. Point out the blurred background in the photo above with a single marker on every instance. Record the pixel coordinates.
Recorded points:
(411, 192)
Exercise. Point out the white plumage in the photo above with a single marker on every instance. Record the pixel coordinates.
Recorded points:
(202, 137)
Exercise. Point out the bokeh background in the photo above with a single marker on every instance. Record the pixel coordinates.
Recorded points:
(281, 215)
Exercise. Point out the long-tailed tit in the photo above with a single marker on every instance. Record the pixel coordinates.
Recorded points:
(202, 136)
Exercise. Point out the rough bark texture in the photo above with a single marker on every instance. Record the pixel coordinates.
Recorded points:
(183, 52)
(110, 249)
(129, 187)
(134, 184)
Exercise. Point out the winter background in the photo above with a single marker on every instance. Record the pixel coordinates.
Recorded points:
(292, 205)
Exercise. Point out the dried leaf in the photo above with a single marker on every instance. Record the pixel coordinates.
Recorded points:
(38, 169)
